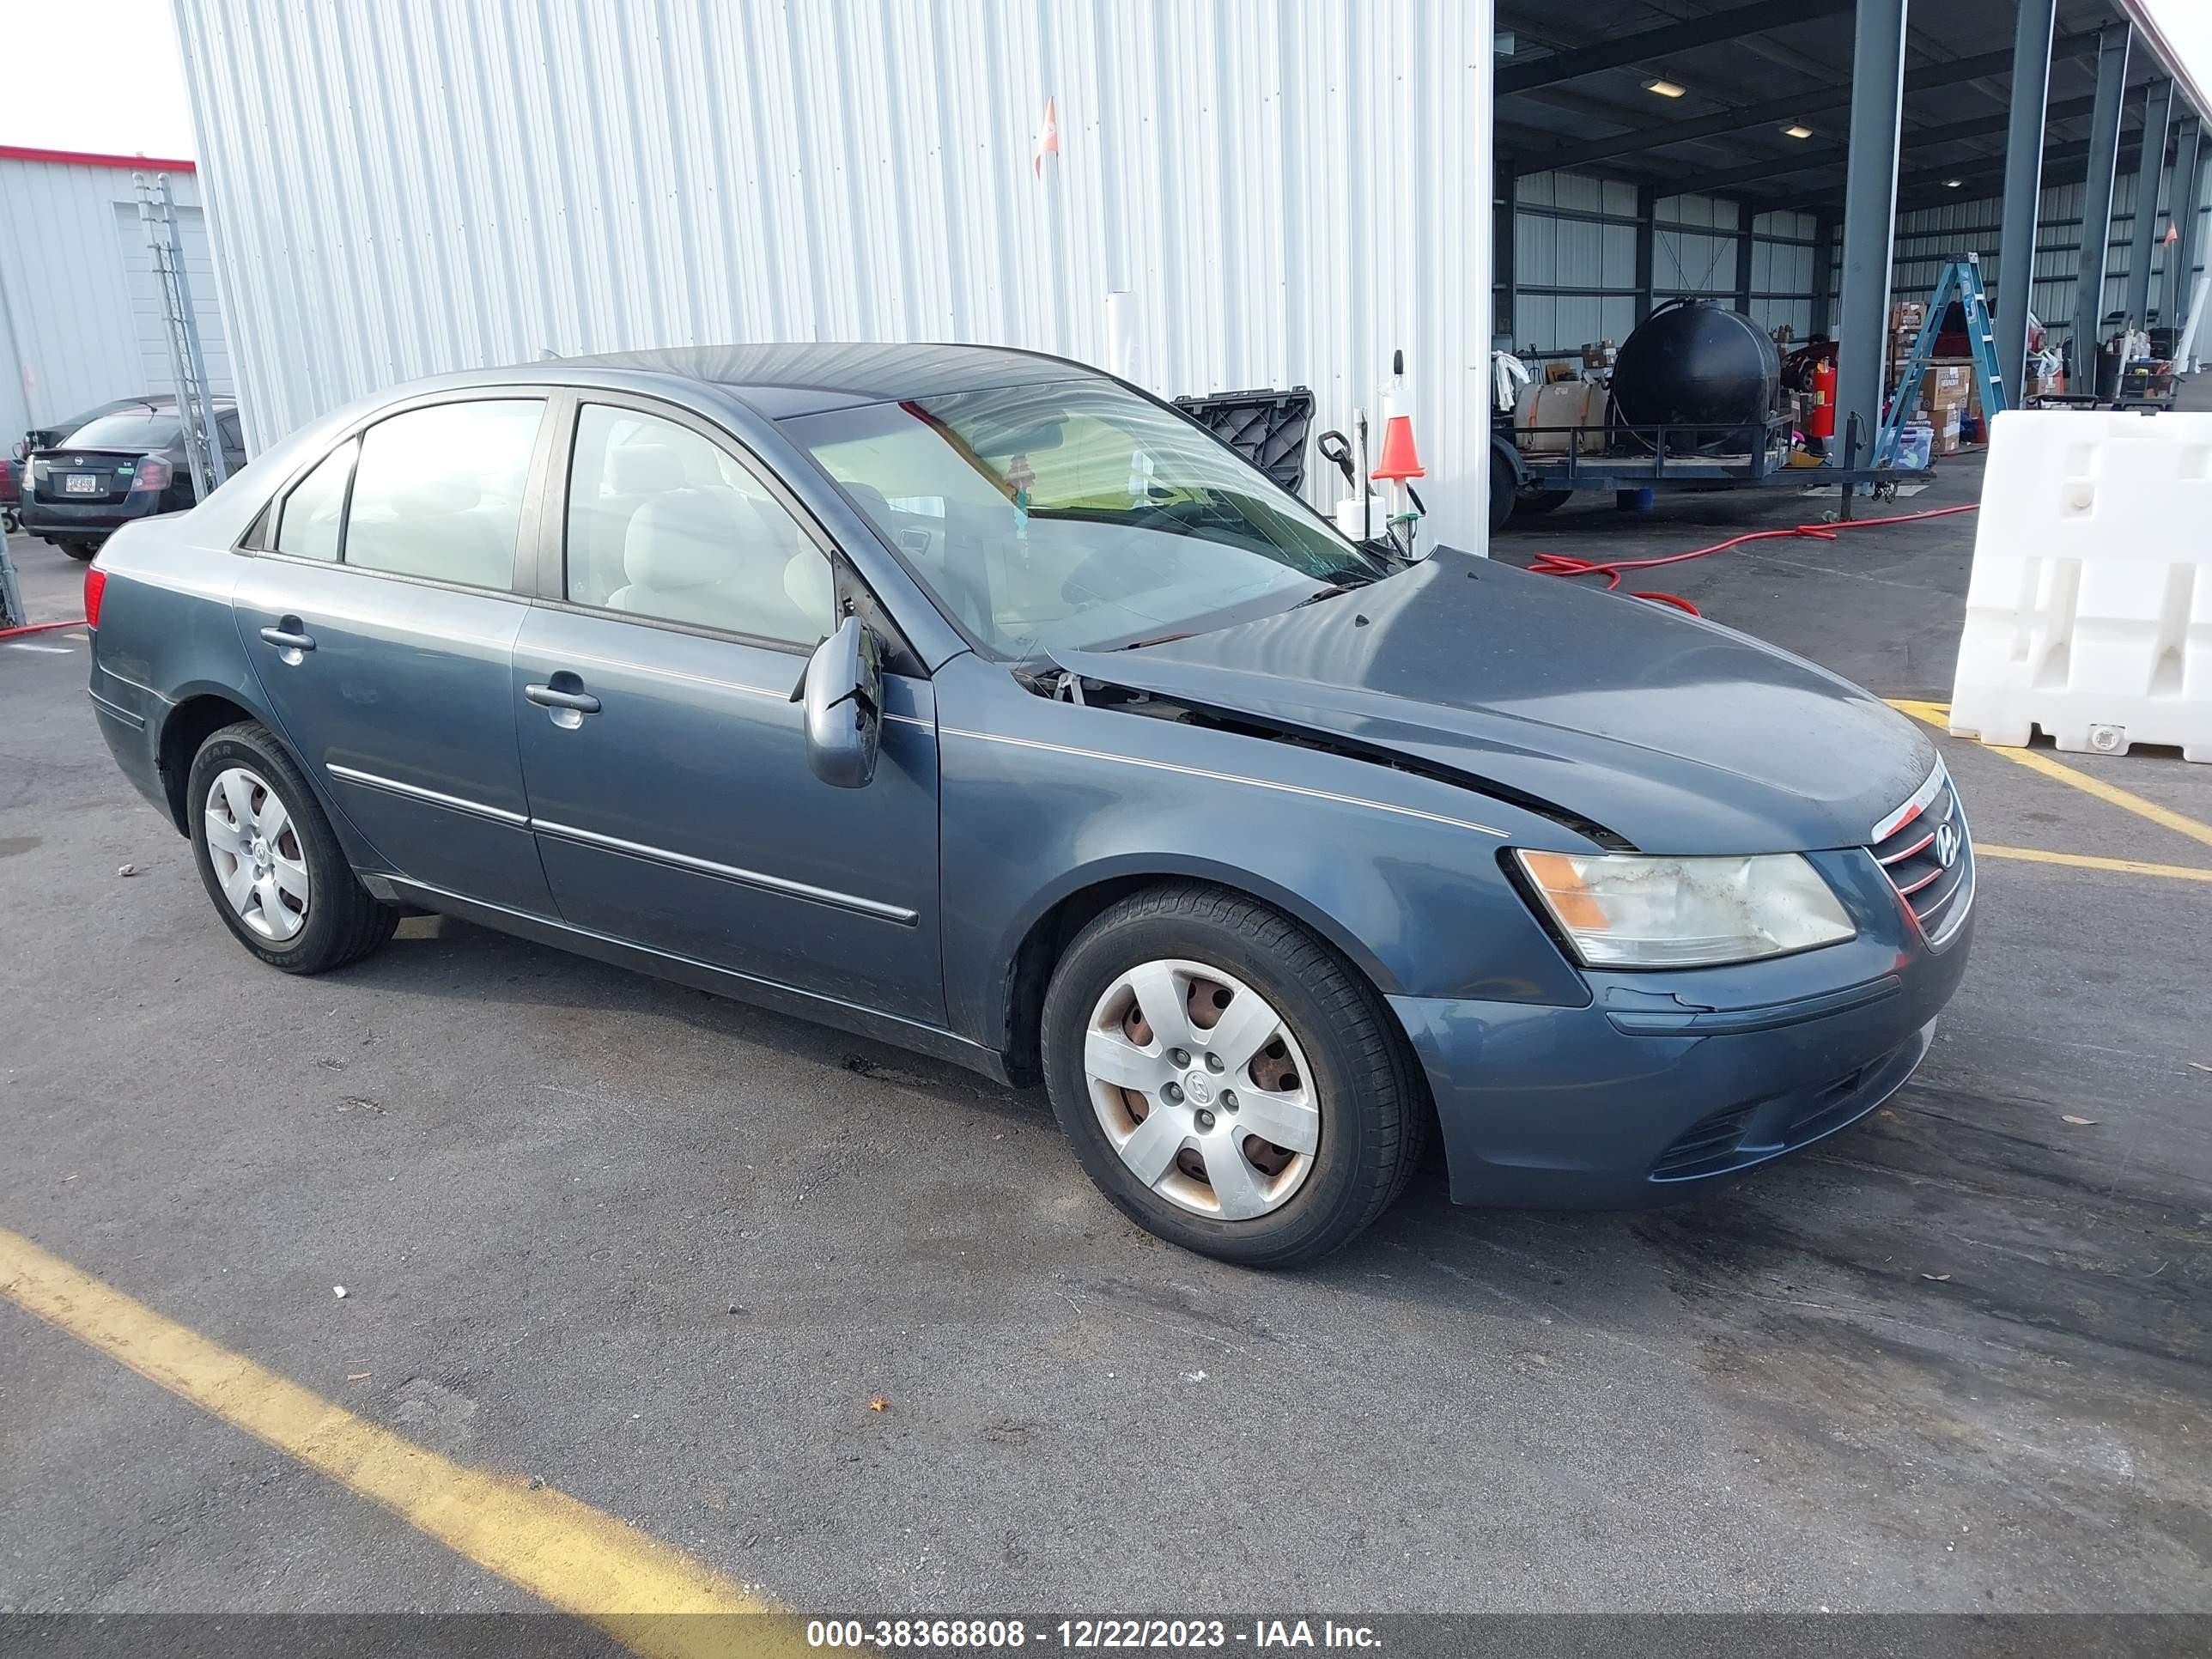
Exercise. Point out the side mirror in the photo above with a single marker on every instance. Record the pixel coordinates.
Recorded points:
(843, 694)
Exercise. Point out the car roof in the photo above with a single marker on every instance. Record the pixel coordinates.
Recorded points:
(805, 378)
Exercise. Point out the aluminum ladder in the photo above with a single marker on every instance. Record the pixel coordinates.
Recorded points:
(157, 215)
(1961, 281)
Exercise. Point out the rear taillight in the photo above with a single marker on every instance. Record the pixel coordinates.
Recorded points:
(153, 473)
(95, 589)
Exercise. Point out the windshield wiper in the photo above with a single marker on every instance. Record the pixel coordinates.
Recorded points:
(1158, 638)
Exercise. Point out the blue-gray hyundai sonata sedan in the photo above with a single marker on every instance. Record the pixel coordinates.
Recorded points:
(976, 702)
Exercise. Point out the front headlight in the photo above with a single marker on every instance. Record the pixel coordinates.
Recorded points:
(1625, 910)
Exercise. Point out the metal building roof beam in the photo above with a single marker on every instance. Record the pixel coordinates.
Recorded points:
(1927, 78)
(1685, 35)
(1772, 167)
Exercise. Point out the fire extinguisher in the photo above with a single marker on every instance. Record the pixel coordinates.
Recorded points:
(1820, 419)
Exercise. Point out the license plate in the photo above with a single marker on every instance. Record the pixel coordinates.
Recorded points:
(84, 483)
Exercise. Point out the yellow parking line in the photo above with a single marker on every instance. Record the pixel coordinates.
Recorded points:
(581, 1561)
(2090, 861)
(1939, 716)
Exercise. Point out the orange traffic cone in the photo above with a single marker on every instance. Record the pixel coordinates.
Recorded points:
(1400, 459)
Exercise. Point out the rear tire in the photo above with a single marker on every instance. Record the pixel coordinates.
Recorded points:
(1504, 489)
(252, 814)
(79, 551)
(1329, 1071)
(1541, 500)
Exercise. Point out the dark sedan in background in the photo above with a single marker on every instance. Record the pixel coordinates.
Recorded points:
(980, 703)
(117, 465)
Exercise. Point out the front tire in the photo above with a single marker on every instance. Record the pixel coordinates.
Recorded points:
(269, 860)
(1228, 1081)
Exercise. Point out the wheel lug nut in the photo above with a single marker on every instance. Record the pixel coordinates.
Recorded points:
(1213, 1063)
(1204, 1119)
(1229, 1100)
(1173, 1091)
(1180, 1056)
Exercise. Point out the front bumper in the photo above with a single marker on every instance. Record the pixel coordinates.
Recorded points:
(1668, 1083)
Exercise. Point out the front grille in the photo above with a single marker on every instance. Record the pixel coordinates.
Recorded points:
(1910, 845)
(1710, 1140)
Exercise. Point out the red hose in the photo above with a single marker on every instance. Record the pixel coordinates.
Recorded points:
(1563, 564)
(40, 628)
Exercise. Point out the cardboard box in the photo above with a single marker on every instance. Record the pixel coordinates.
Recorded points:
(1599, 355)
(1908, 314)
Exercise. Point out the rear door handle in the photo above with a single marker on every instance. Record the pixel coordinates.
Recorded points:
(547, 697)
(290, 638)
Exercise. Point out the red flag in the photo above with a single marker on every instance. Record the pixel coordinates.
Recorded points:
(1048, 140)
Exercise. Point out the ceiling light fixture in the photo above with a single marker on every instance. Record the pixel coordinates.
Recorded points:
(1953, 184)
(1796, 131)
(1665, 88)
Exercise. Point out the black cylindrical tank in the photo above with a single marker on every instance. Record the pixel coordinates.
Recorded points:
(2112, 366)
(1710, 376)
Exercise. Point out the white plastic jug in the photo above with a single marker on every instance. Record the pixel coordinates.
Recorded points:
(1916, 444)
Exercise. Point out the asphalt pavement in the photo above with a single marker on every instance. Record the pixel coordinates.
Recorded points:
(850, 1326)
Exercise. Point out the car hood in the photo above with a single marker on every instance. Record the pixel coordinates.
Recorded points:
(1673, 733)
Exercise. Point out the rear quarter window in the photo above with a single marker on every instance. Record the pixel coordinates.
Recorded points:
(313, 513)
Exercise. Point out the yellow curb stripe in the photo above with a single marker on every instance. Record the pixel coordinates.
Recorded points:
(580, 1560)
(2090, 861)
(1938, 715)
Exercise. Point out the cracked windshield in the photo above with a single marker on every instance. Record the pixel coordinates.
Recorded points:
(1078, 516)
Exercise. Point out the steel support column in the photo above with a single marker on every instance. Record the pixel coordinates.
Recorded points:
(1824, 270)
(2023, 189)
(1647, 246)
(1745, 213)
(2097, 197)
(2151, 172)
(2188, 192)
(1870, 214)
(1504, 251)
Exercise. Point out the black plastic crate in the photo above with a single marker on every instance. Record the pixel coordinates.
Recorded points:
(1268, 429)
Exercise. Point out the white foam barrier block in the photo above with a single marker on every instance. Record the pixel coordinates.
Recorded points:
(2090, 609)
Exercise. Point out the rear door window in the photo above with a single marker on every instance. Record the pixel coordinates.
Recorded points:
(315, 510)
(437, 492)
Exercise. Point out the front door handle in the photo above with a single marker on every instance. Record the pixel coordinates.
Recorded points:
(548, 696)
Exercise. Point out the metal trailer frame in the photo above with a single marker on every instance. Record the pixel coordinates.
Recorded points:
(1659, 462)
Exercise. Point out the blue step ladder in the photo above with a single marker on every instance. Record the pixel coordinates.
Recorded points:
(1961, 281)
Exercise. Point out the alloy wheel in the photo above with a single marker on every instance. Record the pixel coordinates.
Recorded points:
(1202, 1089)
(255, 850)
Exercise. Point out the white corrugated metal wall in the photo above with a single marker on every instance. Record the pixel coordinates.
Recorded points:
(1574, 277)
(1926, 237)
(1288, 190)
(1574, 260)
(79, 322)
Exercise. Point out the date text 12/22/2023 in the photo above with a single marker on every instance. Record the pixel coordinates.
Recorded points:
(979, 1635)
